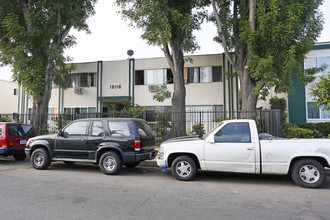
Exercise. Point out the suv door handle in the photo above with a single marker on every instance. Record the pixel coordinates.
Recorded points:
(82, 140)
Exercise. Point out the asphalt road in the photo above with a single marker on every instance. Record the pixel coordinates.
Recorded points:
(81, 191)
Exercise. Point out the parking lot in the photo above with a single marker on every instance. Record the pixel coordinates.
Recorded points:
(82, 191)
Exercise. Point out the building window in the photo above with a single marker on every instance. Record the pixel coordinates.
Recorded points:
(204, 74)
(82, 80)
(313, 112)
(155, 77)
(15, 91)
(319, 61)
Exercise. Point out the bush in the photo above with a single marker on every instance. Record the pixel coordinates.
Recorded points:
(321, 129)
(198, 129)
(279, 103)
(293, 131)
(162, 127)
(5, 118)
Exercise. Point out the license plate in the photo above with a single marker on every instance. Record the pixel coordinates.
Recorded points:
(22, 141)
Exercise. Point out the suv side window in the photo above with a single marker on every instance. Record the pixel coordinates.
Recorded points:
(19, 130)
(119, 128)
(97, 128)
(76, 128)
(234, 132)
(143, 129)
(0, 130)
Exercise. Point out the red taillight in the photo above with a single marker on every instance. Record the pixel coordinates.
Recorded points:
(3, 143)
(137, 145)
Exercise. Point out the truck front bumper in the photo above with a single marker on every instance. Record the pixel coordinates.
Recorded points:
(162, 163)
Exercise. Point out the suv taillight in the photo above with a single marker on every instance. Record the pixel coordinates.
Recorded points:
(3, 143)
(137, 145)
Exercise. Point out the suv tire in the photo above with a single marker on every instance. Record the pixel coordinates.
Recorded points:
(40, 159)
(19, 156)
(184, 168)
(110, 163)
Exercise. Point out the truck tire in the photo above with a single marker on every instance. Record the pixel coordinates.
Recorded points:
(40, 159)
(184, 168)
(308, 173)
(110, 163)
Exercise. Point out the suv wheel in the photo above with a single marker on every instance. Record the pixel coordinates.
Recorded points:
(110, 163)
(40, 159)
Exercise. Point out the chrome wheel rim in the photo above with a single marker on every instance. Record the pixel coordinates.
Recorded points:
(183, 168)
(109, 163)
(309, 174)
(39, 159)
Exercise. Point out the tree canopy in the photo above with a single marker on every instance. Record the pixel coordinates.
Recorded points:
(320, 90)
(269, 40)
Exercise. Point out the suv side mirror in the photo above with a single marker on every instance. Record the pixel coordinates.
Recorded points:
(60, 133)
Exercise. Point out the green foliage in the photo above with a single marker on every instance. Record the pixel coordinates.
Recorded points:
(321, 129)
(293, 131)
(321, 92)
(220, 119)
(130, 110)
(198, 129)
(279, 103)
(33, 37)
(162, 94)
(4, 118)
(162, 127)
(269, 46)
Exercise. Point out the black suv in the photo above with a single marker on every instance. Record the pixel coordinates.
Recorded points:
(109, 142)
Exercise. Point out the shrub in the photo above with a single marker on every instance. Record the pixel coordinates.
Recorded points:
(198, 129)
(293, 131)
(4, 118)
(279, 103)
(162, 127)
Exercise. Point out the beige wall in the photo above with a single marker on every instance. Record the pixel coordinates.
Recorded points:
(9, 101)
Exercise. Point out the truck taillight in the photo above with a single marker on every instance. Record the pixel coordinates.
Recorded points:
(137, 145)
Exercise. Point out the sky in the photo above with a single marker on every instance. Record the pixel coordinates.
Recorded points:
(111, 37)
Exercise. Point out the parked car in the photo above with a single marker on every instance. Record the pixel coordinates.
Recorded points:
(109, 142)
(13, 137)
(234, 146)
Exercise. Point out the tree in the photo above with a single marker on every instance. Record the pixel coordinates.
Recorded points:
(321, 92)
(168, 24)
(269, 40)
(33, 36)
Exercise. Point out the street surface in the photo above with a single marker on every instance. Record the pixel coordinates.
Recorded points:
(81, 191)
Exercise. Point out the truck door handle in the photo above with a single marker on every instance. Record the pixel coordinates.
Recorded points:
(250, 148)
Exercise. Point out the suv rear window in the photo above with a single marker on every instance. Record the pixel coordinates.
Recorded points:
(144, 129)
(15, 130)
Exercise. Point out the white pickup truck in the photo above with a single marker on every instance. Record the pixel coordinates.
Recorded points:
(234, 146)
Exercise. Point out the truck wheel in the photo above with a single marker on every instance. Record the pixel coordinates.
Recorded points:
(184, 168)
(308, 173)
(40, 159)
(110, 163)
(19, 156)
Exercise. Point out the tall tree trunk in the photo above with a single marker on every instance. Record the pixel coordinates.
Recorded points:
(40, 109)
(176, 63)
(249, 98)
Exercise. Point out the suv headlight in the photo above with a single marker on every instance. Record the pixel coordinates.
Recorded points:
(28, 142)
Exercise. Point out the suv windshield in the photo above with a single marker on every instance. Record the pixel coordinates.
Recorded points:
(15, 130)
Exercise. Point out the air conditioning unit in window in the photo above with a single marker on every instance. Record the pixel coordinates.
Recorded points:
(78, 91)
(153, 88)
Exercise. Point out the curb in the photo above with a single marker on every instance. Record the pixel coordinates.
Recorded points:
(149, 163)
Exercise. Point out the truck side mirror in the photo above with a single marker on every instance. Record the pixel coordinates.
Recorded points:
(211, 140)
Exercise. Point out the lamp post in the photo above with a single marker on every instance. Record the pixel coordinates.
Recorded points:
(131, 69)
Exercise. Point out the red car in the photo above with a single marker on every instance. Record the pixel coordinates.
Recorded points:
(13, 137)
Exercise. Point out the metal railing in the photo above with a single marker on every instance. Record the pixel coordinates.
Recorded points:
(197, 122)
